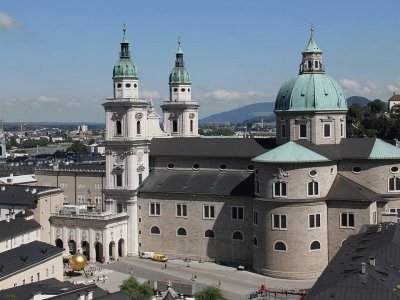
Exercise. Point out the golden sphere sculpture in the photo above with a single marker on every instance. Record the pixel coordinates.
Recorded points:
(78, 262)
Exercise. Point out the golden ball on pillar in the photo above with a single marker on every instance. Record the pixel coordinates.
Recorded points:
(77, 262)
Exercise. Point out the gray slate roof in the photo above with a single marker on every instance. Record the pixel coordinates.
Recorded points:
(17, 194)
(342, 278)
(213, 182)
(210, 147)
(25, 256)
(345, 189)
(17, 226)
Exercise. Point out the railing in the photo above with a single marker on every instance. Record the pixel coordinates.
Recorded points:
(89, 215)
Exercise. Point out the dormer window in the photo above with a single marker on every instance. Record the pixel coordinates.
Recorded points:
(174, 126)
(309, 64)
(118, 127)
(303, 131)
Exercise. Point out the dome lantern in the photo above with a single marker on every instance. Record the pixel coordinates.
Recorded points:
(312, 57)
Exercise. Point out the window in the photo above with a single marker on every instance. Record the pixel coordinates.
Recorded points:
(47, 272)
(314, 221)
(394, 184)
(170, 166)
(182, 89)
(250, 168)
(394, 169)
(309, 64)
(31, 278)
(135, 85)
(119, 85)
(97, 199)
(191, 125)
(222, 167)
(97, 186)
(237, 235)
(255, 217)
(257, 187)
(174, 126)
(23, 281)
(63, 185)
(181, 210)
(138, 129)
(313, 173)
(283, 130)
(237, 212)
(155, 209)
(316, 64)
(303, 131)
(140, 178)
(341, 130)
(195, 166)
(327, 130)
(280, 246)
(347, 220)
(118, 127)
(6, 244)
(280, 189)
(175, 89)
(356, 170)
(81, 199)
(255, 241)
(279, 222)
(181, 232)
(38, 276)
(118, 180)
(313, 189)
(209, 234)
(155, 230)
(128, 85)
(208, 212)
(315, 245)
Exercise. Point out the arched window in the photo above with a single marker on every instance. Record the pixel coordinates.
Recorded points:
(174, 126)
(118, 126)
(394, 184)
(315, 246)
(1, 150)
(181, 232)
(155, 230)
(138, 129)
(237, 235)
(191, 125)
(280, 189)
(209, 234)
(255, 241)
(313, 188)
(280, 246)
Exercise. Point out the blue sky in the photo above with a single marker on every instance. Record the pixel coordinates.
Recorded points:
(56, 57)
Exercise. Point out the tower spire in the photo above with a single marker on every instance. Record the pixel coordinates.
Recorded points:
(312, 57)
(179, 55)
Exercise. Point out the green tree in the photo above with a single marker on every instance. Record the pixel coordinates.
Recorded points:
(210, 292)
(376, 106)
(29, 143)
(354, 114)
(217, 132)
(79, 147)
(135, 291)
(11, 297)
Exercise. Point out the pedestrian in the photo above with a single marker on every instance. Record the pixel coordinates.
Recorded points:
(131, 271)
(165, 266)
(219, 282)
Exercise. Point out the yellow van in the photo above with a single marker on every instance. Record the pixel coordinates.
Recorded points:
(160, 257)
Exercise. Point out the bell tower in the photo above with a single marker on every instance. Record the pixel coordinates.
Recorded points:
(180, 112)
(126, 142)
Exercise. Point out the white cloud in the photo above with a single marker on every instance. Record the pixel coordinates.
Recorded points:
(392, 88)
(222, 94)
(359, 88)
(150, 94)
(73, 104)
(45, 99)
(8, 22)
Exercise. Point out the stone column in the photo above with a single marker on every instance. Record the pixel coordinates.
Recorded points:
(132, 232)
(92, 243)
(106, 242)
(78, 240)
(64, 236)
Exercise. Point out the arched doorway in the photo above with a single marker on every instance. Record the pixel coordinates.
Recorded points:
(59, 243)
(121, 244)
(72, 247)
(85, 249)
(111, 250)
(99, 251)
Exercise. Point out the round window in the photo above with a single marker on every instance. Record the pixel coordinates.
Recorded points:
(394, 169)
(195, 166)
(182, 89)
(188, 90)
(119, 85)
(222, 167)
(128, 85)
(250, 168)
(313, 173)
(135, 85)
(356, 170)
(175, 89)
(170, 166)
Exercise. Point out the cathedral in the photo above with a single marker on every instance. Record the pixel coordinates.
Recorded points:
(281, 207)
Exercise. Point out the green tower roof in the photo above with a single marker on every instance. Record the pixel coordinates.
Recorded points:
(290, 153)
(383, 150)
(124, 66)
(179, 74)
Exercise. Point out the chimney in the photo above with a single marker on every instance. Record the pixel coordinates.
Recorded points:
(372, 261)
(33, 191)
(363, 268)
(81, 297)
(27, 189)
(3, 188)
(8, 218)
(89, 295)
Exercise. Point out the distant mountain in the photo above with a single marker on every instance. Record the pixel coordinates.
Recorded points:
(238, 115)
(356, 99)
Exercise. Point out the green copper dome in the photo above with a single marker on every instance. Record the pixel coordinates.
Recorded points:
(124, 66)
(312, 89)
(310, 92)
(179, 74)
